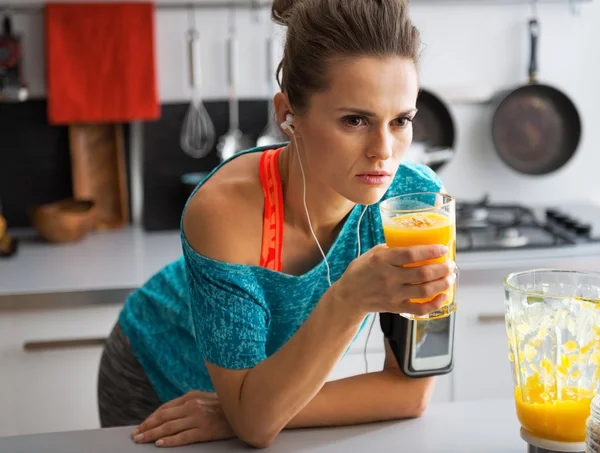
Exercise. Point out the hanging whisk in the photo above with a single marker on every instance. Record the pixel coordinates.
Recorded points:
(198, 130)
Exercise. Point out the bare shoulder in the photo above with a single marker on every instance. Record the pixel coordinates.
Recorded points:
(223, 220)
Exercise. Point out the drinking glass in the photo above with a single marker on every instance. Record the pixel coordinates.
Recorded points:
(422, 219)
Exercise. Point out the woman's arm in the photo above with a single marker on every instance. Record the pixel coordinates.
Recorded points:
(261, 401)
(383, 395)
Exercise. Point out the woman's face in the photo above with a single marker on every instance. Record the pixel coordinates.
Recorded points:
(353, 135)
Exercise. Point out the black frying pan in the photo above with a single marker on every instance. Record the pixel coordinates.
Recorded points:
(433, 124)
(536, 128)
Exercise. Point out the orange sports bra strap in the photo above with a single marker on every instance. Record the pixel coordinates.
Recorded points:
(272, 234)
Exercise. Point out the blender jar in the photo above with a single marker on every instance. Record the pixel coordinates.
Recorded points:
(553, 327)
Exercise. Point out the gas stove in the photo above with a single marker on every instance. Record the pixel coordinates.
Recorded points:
(485, 226)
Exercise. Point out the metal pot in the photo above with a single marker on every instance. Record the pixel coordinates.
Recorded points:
(433, 132)
(434, 157)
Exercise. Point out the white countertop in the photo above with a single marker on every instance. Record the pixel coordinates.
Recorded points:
(103, 260)
(126, 258)
(481, 426)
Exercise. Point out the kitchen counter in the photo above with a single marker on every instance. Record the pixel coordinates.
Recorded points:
(489, 426)
(105, 266)
(103, 260)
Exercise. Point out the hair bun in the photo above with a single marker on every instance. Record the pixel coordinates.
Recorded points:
(280, 11)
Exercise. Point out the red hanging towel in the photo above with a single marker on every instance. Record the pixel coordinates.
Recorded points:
(101, 63)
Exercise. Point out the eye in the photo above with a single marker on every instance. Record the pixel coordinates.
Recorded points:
(403, 122)
(354, 121)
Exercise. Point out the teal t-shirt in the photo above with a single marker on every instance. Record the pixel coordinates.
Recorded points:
(234, 315)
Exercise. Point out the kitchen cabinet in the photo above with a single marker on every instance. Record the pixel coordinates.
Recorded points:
(45, 388)
(482, 369)
(375, 340)
(50, 389)
(354, 364)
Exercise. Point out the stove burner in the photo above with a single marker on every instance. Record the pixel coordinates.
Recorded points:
(475, 217)
(482, 214)
(485, 226)
(511, 237)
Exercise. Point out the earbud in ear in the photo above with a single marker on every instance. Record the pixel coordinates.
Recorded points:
(289, 119)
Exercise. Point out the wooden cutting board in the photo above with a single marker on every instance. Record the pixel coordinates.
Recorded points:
(99, 172)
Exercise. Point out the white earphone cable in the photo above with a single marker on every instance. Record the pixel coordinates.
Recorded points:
(358, 229)
(374, 315)
(306, 207)
(287, 125)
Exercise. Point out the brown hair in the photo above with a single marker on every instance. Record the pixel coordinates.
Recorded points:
(320, 31)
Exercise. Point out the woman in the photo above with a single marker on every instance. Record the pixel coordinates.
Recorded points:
(239, 336)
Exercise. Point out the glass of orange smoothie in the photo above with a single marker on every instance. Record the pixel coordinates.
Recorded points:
(422, 219)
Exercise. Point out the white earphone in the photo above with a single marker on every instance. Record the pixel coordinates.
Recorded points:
(288, 125)
(289, 119)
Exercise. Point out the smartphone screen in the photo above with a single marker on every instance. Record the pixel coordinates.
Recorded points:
(432, 343)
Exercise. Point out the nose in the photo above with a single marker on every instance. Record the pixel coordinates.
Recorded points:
(381, 144)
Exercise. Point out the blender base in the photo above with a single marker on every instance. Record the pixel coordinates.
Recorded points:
(537, 445)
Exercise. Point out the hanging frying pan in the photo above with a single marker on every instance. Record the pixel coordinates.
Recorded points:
(536, 128)
(433, 132)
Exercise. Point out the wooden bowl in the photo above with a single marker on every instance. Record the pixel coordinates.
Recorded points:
(67, 220)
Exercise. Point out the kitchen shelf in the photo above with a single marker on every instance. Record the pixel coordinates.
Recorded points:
(21, 7)
(16, 8)
(496, 2)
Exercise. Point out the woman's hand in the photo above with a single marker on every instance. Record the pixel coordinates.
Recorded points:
(378, 281)
(194, 417)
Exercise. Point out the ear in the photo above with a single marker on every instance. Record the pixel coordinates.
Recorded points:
(282, 110)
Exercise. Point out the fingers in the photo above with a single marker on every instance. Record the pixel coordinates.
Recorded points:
(401, 256)
(190, 436)
(158, 418)
(428, 289)
(151, 420)
(166, 429)
(428, 272)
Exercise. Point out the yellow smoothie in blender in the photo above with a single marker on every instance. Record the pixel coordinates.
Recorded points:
(553, 415)
(553, 327)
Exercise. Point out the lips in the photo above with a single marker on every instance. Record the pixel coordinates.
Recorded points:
(374, 178)
(376, 173)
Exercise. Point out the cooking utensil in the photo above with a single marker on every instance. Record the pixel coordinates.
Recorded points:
(234, 140)
(198, 130)
(535, 128)
(272, 133)
(434, 126)
(12, 85)
(432, 156)
(65, 221)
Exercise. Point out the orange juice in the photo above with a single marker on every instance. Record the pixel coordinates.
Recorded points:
(421, 228)
(547, 416)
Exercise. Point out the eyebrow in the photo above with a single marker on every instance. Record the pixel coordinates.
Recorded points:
(371, 114)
